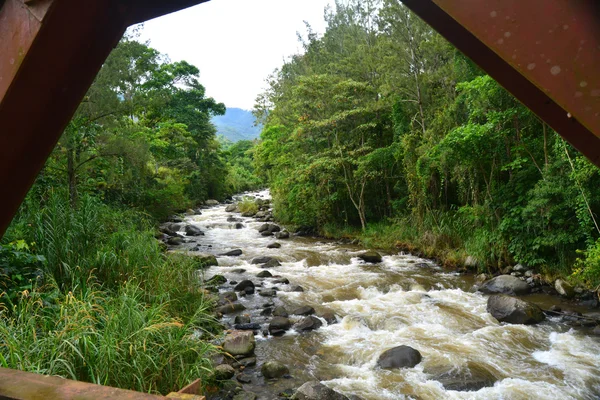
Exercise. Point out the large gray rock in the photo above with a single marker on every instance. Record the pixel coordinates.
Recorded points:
(264, 274)
(232, 253)
(505, 284)
(272, 263)
(224, 371)
(317, 391)
(274, 245)
(309, 323)
(564, 289)
(279, 325)
(280, 311)
(282, 235)
(513, 310)
(231, 208)
(304, 310)
(243, 285)
(261, 260)
(211, 202)
(230, 308)
(372, 257)
(191, 230)
(239, 343)
(227, 297)
(274, 370)
(175, 241)
(399, 357)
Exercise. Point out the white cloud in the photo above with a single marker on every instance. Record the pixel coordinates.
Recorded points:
(235, 43)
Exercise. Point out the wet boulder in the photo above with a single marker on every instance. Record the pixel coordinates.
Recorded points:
(268, 293)
(329, 317)
(261, 260)
(304, 310)
(263, 228)
(191, 230)
(224, 372)
(216, 280)
(272, 263)
(251, 326)
(280, 311)
(274, 370)
(282, 235)
(230, 308)
(399, 357)
(243, 285)
(205, 260)
(238, 271)
(505, 284)
(238, 225)
(564, 289)
(371, 257)
(232, 253)
(264, 274)
(211, 203)
(317, 391)
(242, 319)
(513, 310)
(239, 343)
(227, 297)
(170, 228)
(279, 325)
(274, 245)
(283, 281)
(308, 324)
(233, 219)
(296, 288)
(231, 208)
(175, 241)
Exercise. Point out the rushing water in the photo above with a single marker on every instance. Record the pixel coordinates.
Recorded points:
(406, 300)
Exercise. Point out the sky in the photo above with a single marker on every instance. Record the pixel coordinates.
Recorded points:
(236, 44)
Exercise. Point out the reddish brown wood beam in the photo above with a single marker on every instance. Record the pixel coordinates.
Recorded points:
(545, 52)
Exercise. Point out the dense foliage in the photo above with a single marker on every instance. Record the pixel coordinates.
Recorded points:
(87, 292)
(381, 124)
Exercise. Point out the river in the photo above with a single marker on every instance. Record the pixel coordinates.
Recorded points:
(404, 300)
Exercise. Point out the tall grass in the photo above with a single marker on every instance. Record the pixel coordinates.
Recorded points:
(114, 309)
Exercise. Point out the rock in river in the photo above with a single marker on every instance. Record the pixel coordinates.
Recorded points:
(243, 285)
(515, 311)
(304, 310)
(232, 253)
(372, 257)
(279, 325)
(272, 263)
(308, 324)
(264, 274)
(280, 311)
(261, 260)
(399, 357)
(224, 372)
(274, 369)
(230, 308)
(274, 245)
(191, 230)
(564, 289)
(505, 284)
(317, 391)
(239, 343)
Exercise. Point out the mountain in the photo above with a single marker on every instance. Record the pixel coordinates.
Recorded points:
(236, 125)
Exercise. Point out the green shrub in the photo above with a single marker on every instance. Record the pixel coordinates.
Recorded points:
(247, 205)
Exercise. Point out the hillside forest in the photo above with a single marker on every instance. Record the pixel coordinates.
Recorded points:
(379, 130)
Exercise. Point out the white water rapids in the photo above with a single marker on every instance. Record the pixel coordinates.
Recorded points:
(466, 353)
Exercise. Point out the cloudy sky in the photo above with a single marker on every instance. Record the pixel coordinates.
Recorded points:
(235, 43)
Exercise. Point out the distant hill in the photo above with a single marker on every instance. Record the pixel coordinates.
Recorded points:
(236, 125)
